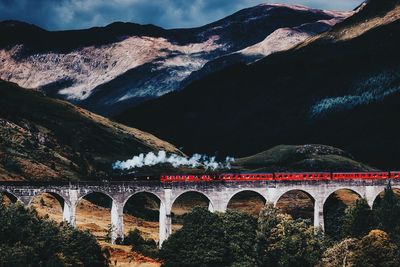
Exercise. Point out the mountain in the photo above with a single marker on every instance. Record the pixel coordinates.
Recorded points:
(45, 139)
(109, 69)
(305, 158)
(340, 88)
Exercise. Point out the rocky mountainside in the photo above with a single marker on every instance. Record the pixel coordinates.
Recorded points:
(46, 139)
(340, 88)
(109, 69)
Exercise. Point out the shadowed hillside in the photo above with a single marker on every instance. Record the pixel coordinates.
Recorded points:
(46, 139)
(340, 88)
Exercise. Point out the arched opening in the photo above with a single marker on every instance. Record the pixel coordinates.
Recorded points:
(247, 201)
(334, 210)
(142, 211)
(298, 204)
(93, 213)
(49, 204)
(379, 197)
(185, 203)
(7, 198)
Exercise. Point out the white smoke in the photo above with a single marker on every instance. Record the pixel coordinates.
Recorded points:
(151, 159)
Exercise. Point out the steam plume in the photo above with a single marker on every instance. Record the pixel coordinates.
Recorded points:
(151, 159)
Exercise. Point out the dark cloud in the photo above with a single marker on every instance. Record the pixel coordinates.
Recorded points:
(73, 14)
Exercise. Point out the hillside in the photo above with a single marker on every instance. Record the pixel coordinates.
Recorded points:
(340, 88)
(306, 158)
(109, 69)
(46, 139)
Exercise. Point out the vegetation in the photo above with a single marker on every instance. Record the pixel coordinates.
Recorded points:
(146, 247)
(362, 238)
(26, 240)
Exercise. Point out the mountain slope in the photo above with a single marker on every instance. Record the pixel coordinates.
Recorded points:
(340, 88)
(47, 139)
(306, 158)
(107, 70)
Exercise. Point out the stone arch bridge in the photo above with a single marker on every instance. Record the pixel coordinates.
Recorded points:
(218, 193)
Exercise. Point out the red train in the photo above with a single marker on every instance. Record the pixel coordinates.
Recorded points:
(297, 176)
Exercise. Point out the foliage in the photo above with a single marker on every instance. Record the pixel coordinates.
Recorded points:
(387, 213)
(334, 215)
(147, 247)
(240, 237)
(26, 240)
(282, 241)
(376, 250)
(339, 253)
(200, 242)
(358, 220)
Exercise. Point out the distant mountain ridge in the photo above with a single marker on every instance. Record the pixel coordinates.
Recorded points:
(340, 88)
(109, 69)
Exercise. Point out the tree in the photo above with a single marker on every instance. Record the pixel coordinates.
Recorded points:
(340, 254)
(200, 242)
(387, 213)
(376, 250)
(282, 241)
(240, 235)
(147, 247)
(26, 240)
(334, 214)
(358, 219)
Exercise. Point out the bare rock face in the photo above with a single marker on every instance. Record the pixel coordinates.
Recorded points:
(110, 69)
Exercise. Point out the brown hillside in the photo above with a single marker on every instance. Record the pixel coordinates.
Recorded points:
(47, 139)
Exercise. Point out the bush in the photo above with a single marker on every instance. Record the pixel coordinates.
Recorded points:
(282, 241)
(200, 242)
(147, 247)
(26, 240)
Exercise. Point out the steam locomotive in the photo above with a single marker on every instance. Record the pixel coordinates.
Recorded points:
(306, 176)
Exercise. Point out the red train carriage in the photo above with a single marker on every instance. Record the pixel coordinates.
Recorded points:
(186, 178)
(395, 174)
(247, 177)
(360, 175)
(306, 176)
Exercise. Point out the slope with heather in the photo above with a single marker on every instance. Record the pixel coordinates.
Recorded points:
(46, 139)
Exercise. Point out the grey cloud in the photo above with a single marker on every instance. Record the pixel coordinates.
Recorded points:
(73, 14)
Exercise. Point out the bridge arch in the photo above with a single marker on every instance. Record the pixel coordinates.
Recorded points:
(142, 192)
(89, 192)
(311, 195)
(58, 196)
(298, 203)
(193, 191)
(243, 196)
(396, 190)
(145, 208)
(334, 209)
(351, 189)
(96, 212)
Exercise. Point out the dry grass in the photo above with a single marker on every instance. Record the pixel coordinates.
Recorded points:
(96, 219)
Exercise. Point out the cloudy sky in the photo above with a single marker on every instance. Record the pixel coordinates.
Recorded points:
(74, 14)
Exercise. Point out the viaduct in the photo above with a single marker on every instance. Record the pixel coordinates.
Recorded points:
(218, 193)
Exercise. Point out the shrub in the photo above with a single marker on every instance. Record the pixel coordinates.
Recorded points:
(147, 247)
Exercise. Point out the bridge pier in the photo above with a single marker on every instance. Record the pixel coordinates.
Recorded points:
(319, 214)
(69, 213)
(117, 221)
